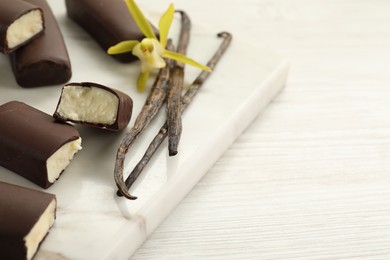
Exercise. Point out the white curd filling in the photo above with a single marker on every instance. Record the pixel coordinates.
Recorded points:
(24, 28)
(93, 105)
(61, 158)
(40, 229)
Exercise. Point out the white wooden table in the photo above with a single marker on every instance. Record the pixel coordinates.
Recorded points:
(310, 178)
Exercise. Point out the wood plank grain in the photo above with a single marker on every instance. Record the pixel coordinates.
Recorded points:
(310, 179)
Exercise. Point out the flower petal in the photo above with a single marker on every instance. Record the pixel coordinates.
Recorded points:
(165, 23)
(122, 47)
(150, 57)
(140, 19)
(184, 59)
(141, 81)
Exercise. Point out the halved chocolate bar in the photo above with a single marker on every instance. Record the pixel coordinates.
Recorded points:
(26, 217)
(45, 60)
(34, 145)
(94, 105)
(107, 21)
(20, 22)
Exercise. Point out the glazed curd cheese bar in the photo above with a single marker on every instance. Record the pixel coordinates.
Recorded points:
(34, 145)
(45, 60)
(26, 217)
(20, 22)
(94, 105)
(107, 21)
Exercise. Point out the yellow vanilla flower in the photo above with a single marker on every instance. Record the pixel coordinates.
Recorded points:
(151, 50)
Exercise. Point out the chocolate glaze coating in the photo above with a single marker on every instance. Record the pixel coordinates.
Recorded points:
(9, 13)
(124, 112)
(45, 60)
(28, 137)
(20, 210)
(107, 21)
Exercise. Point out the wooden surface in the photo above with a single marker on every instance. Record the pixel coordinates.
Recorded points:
(310, 178)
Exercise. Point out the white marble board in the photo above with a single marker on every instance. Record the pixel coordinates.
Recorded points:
(92, 222)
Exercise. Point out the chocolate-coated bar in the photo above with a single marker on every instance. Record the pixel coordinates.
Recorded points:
(107, 21)
(94, 105)
(34, 145)
(26, 217)
(20, 22)
(45, 60)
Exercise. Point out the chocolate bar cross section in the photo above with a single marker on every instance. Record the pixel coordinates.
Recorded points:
(95, 105)
(20, 22)
(26, 217)
(34, 145)
(44, 61)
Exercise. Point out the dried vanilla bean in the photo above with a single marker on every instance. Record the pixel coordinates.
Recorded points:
(186, 100)
(151, 107)
(176, 88)
(184, 37)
